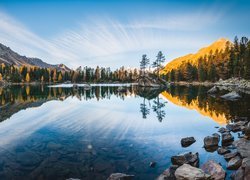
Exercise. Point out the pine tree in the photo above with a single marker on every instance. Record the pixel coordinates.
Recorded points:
(158, 63)
(143, 64)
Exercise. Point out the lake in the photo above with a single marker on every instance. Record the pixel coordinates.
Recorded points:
(60, 133)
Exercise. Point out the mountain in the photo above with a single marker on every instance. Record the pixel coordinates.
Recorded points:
(9, 57)
(193, 58)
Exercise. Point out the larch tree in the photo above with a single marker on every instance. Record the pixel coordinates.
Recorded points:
(27, 78)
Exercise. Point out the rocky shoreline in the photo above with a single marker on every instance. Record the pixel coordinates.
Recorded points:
(235, 152)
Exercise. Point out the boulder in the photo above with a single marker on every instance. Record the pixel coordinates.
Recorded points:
(185, 142)
(243, 145)
(214, 170)
(186, 158)
(227, 137)
(168, 174)
(222, 151)
(120, 176)
(232, 96)
(187, 172)
(247, 130)
(223, 130)
(234, 127)
(234, 163)
(216, 135)
(213, 90)
(211, 141)
(229, 156)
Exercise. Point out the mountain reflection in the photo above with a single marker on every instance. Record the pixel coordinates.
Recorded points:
(196, 98)
(16, 98)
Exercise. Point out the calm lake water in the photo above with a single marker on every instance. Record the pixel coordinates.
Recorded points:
(58, 133)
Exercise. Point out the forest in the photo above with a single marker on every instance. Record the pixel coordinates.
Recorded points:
(233, 61)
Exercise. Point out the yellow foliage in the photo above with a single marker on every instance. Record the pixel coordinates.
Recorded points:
(60, 77)
(1, 77)
(27, 77)
(193, 58)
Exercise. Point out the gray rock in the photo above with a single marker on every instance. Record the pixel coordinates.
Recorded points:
(234, 163)
(247, 130)
(232, 96)
(234, 127)
(243, 146)
(229, 156)
(222, 151)
(211, 141)
(168, 174)
(223, 130)
(186, 158)
(187, 172)
(213, 90)
(120, 176)
(185, 142)
(227, 137)
(216, 135)
(214, 170)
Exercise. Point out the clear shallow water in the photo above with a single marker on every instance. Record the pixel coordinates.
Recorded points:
(57, 133)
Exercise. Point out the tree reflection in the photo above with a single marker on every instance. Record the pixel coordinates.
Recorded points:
(158, 109)
(144, 109)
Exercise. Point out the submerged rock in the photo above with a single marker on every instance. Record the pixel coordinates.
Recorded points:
(187, 172)
(186, 158)
(234, 163)
(120, 176)
(185, 142)
(152, 164)
(214, 170)
(232, 96)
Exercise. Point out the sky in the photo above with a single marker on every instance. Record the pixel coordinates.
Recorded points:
(114, 33)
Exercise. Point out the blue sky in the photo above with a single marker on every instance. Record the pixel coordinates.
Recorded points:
(117, 32)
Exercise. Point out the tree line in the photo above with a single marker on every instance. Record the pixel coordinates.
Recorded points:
(233, 61)
(27, 74)
(16, 74)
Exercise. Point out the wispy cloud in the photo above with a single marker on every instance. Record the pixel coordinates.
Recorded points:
(106, 41)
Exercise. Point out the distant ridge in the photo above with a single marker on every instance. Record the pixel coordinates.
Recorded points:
(220, 44)
(9, 57)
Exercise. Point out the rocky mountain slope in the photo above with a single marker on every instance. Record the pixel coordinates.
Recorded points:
(193, 58)
(9, 57)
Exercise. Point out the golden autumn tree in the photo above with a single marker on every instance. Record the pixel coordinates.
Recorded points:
(1, 77)
(60, 77)
(27, 77)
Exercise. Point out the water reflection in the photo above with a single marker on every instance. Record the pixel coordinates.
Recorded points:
(88, 134)
(16, 98)
(196, 98)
